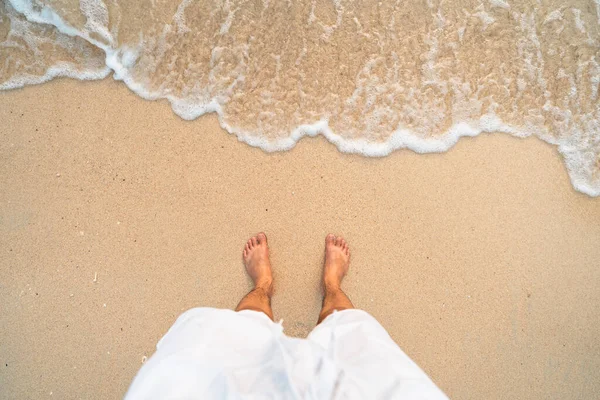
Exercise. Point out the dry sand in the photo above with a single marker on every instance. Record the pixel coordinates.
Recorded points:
(483, 263)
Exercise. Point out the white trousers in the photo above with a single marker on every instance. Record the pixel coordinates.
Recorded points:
(222, 354)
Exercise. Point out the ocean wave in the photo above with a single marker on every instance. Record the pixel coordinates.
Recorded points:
(372, 77)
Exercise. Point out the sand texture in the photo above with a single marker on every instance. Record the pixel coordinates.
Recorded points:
(116, 215)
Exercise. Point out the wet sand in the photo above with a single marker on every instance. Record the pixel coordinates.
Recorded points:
(116, 216)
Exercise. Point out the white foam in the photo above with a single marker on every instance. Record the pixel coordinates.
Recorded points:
(96, 15)
(461, 33)
(121, 60)
(179, 17)
(311, 16)
(500, 4)
(56, 71)
(24, 36)
(229, 19)
(578, 21)
(46, 15)
(486, 19)
(555, 15)
(339, 13)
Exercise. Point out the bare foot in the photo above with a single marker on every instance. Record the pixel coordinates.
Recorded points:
(337, 261)
(256, 260)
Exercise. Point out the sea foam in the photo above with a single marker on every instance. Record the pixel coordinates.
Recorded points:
(34, 53)
(371, 77)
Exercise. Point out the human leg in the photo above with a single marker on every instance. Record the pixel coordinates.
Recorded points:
(337, 259)
(258, 266)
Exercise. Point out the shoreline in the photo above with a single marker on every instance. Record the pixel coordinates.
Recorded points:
(481, 262)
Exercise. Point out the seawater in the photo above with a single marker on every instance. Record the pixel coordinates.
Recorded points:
(371, 76)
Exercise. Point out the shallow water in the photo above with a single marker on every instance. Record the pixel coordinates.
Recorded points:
(370, 76)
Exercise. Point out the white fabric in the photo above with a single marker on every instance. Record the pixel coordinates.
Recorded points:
(221, 354)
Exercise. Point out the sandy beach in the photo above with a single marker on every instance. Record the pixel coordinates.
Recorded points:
(116, 215)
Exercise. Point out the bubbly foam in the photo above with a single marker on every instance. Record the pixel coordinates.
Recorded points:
(34, 53)
(371, 77)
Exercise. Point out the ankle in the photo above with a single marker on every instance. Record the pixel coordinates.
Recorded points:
(331, 285)
(265, 285)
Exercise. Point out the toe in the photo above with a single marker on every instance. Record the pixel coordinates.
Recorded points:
(261, 237)
(253, 240)
(338, 241)
(330, 239)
